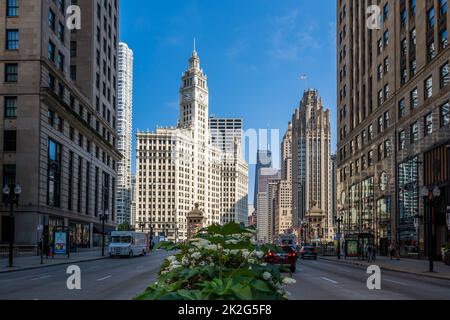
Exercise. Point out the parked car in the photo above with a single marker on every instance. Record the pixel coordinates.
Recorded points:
(285, 256)
(309, 252)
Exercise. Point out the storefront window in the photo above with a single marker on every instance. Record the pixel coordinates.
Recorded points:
(408, 205)
(383, 233)
(79, 235)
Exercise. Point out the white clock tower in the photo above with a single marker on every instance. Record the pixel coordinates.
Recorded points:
(194, 111)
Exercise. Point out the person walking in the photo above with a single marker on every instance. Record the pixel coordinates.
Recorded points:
(374, 253)
(392, 250)
(369, 252)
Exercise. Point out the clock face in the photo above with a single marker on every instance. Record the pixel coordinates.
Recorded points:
(384, 181)
(187, 96)
(202, 97)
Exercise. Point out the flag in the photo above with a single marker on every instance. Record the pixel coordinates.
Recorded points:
(303, 77)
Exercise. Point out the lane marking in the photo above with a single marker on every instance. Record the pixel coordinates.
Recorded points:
(329, 280)
(396, 282)
(42, 277)
(104, 278)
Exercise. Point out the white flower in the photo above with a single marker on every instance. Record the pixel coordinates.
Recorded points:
(289, 281)
(234, 252)
(211, 247)
(196, 255)
(267, 276)
(171, 258)
(212, 264)
(202, 264)
(251, 261)
(185, 261)
(263, 264)
(259, 254)
(245, 253)
(232, 241)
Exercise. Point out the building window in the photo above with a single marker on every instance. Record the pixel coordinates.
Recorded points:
(10, 107)
(73, 73)
(386, 120)
(370, 158)
(386, 39)
(402, 140)
(11, 72)
(387, 148)
(401, 108)
(414, 130)
(54, 174)
(61, 32)
(61, 60)
(370, 132)
(12, 8)
(12, 39)
(51, 51)
(51, 118)
(428, 124)
(414, 99)
(443, 36)
(444, 114)
(9, 141)
(51, 19)
(444, 75)
(80, 183)
(428, 87)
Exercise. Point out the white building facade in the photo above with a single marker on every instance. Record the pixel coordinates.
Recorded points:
(125, 132)
(180, 167)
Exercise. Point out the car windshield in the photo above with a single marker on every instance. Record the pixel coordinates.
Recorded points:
(287, 249)
(126, 239)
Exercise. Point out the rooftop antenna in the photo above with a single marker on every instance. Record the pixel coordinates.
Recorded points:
(195, 49)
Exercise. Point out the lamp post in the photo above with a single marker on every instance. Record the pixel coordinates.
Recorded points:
(141, 225)
(103, 218)
(339, 221)
(11, 198)
(429, 198)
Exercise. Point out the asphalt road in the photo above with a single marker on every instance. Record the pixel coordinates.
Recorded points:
(123, 279)
(107, 279)
(324, 280)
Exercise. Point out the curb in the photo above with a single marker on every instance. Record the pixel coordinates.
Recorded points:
(52, 265)
(388, 269)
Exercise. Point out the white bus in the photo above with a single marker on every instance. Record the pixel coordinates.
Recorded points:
(128, 244)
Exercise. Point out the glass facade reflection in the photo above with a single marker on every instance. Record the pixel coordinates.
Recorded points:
(408, 205)
(361, 217)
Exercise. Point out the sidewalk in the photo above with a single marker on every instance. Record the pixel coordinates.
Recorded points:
(34, 262)
(405, 265)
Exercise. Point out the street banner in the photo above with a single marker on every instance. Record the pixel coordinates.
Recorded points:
(60, 242)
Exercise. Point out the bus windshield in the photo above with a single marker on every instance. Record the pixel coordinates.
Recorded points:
(121, 239)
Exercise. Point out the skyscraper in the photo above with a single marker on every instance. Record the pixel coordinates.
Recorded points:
(311, 165)
(59, 126)
(125, 132)
(283, 219)
(266, 203)
(180, 167)
(263, 160)
(393, 123)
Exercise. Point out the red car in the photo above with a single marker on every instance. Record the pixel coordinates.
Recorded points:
(285, 256)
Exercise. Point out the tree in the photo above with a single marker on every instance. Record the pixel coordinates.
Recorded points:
(125, 226)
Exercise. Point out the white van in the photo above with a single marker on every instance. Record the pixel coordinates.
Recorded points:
(128, 244)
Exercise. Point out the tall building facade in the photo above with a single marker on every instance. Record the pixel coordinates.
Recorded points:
(311, 165)
(180, 167)
(394, 123)
(263, 160)
(265, 214)
(125, 132)
(283, 199)
(58, 125)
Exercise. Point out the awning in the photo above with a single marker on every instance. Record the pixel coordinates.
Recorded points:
(108, 229)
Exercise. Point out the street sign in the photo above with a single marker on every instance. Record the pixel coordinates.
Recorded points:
(338, 236)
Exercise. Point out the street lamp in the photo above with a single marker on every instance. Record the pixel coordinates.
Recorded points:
(429, 198)
(11, 198)
(103, 218)
(339, 221)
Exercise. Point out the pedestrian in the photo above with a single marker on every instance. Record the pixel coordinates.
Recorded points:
(397, 252)
(369, 252)
(374, 253)
(392, 250)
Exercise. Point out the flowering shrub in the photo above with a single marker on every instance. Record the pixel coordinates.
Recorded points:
(221, 263)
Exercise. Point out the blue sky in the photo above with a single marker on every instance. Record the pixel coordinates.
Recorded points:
(253, 51)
